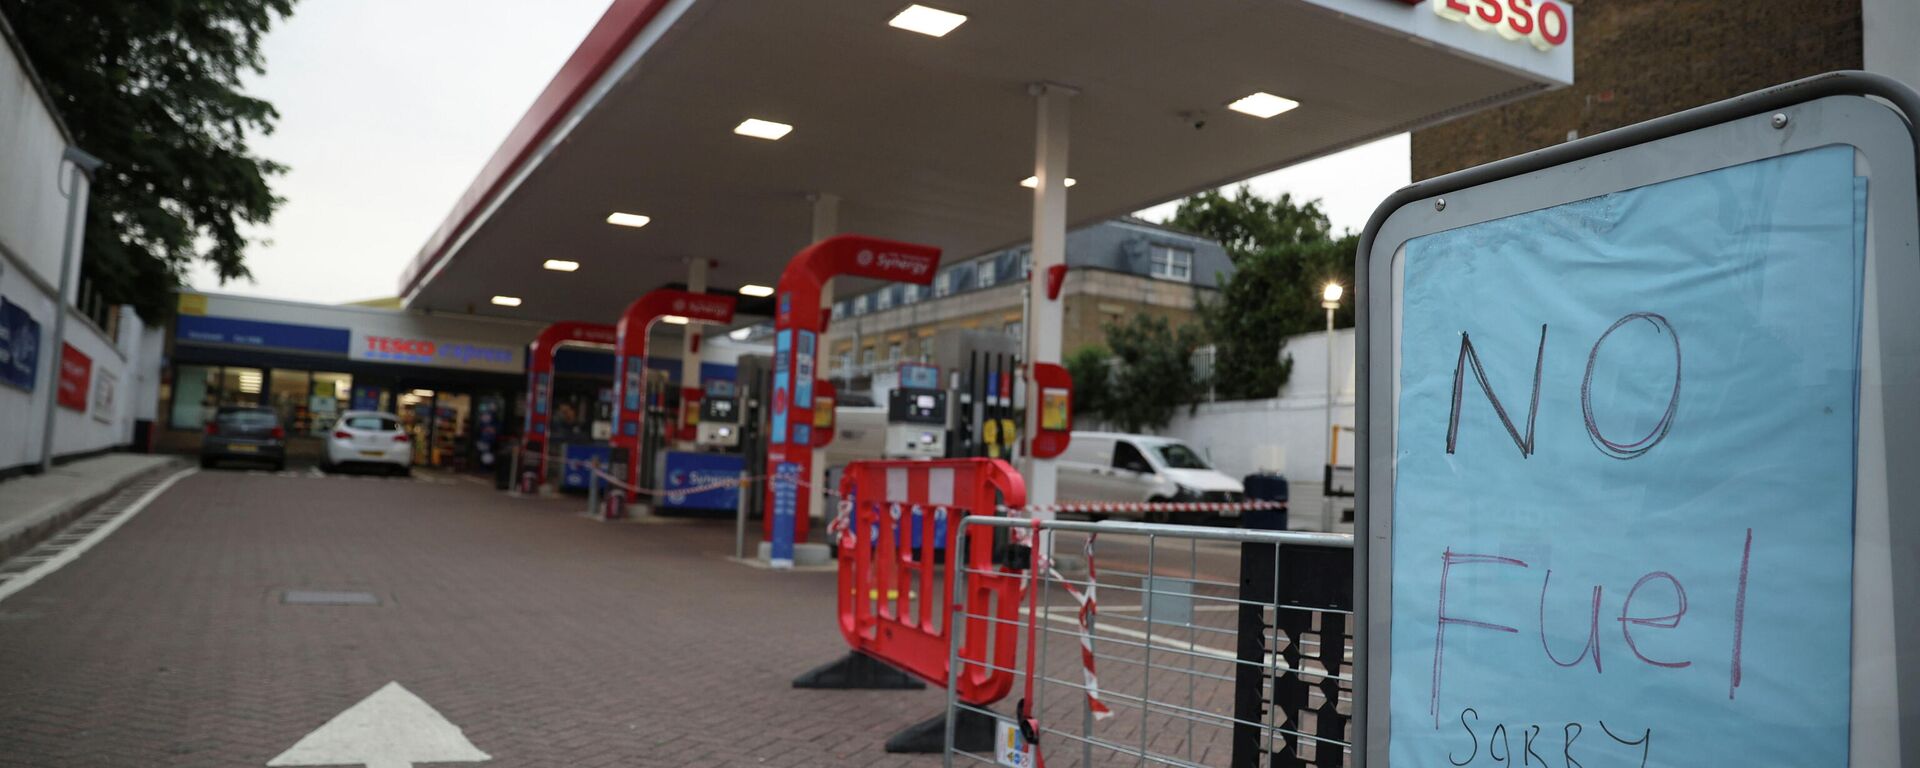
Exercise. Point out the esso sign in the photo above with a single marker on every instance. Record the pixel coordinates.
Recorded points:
(1544, 23)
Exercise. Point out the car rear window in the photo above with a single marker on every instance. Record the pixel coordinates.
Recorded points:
(244, 419)
(373, 423)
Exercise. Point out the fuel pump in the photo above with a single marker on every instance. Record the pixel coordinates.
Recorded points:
(917, 414)
(719, 427)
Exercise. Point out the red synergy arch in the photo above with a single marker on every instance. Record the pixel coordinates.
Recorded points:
(797, 325)
(630, 363)
(540, 381)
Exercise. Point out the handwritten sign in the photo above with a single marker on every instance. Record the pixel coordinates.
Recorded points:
(1623, 490)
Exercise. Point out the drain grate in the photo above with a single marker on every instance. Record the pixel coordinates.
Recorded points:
(327, 597)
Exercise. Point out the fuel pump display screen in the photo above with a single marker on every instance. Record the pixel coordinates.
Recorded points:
(908, 407)
(719, 409)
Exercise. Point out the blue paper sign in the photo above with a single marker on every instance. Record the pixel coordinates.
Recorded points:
(1623, 503)
(19, 346)
(786, 503)
(685, 469)
(256, 333)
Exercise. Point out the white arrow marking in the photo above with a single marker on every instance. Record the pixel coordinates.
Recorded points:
(390, 729)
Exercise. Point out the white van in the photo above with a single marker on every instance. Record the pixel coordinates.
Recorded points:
(1119, 467)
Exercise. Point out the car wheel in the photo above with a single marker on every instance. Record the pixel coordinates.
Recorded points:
(1157, 516)
(403, 471)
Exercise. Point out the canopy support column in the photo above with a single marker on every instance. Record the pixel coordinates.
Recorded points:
(1045, 316)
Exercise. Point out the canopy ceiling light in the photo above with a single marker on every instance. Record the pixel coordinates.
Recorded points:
(561, 265)
(931, 22)
(1033, 182)
(506, 301)
(1262, 105)
(628, 219)
(762, 129)
(755, 290)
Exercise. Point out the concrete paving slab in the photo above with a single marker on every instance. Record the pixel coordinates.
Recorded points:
(36, 506)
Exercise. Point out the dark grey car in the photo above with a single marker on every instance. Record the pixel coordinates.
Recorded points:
(244, 434)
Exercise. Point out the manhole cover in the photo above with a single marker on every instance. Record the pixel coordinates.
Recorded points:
(327, 597)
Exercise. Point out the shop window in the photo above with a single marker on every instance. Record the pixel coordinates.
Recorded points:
(332, 393)
(1169, 263)
(241, 386)
(287, 395)
(196, 390)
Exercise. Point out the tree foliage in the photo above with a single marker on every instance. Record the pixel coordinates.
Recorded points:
(1091, 367)
(1283, 256)
(1247, 224)
(152, 87)
(1152, 372)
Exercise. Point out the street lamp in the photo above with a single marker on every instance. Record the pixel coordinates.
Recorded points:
(1329, 299)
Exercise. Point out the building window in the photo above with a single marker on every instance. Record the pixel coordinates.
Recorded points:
(866, 358)
(893, 352)
(839, 309)
(1169, 263)
(986, 274)
(909, 294)
(860, 304)
(1016, 329)
(883, 299)
(943, 284)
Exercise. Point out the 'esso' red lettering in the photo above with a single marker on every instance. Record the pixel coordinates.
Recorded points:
(1544, 23)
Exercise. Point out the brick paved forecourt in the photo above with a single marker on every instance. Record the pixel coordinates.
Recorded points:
(549, 638)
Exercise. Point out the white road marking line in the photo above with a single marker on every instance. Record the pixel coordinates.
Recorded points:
(26, 579)
(390, 729)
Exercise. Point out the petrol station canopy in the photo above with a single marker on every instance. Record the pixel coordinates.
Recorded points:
(923, 138)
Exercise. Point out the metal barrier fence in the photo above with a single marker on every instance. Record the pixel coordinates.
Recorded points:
(1170, 645)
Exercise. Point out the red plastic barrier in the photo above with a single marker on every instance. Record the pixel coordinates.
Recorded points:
(891, 607)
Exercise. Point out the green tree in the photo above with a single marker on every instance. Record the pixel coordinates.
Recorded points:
(1091, 367)
(1274, 293)
(1283, 256)
(1247, 223)
(1153, 372)
(152, 87)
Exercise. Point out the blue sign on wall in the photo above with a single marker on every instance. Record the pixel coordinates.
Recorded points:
(256, 333)
(687, 469)
(19, 346)
(1623, 510)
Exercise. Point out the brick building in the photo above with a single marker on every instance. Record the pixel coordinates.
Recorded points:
(1116, 269)
(1640, 59)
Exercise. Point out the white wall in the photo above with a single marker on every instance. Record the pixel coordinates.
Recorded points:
(1890, 28)
(32, 208)
(36, 188)
(1286, 434)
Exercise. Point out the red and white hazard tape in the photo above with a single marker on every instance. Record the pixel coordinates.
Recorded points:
(616, 482)
(1089, 606)
(1111, 507)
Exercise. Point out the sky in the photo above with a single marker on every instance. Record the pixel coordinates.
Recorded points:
(389, 109)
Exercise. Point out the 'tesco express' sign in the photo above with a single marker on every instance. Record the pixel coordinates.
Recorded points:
(1544, 23)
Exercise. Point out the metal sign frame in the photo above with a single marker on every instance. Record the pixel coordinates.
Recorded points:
(1873, 114)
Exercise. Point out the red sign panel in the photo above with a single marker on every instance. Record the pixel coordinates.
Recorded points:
(76, 376)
